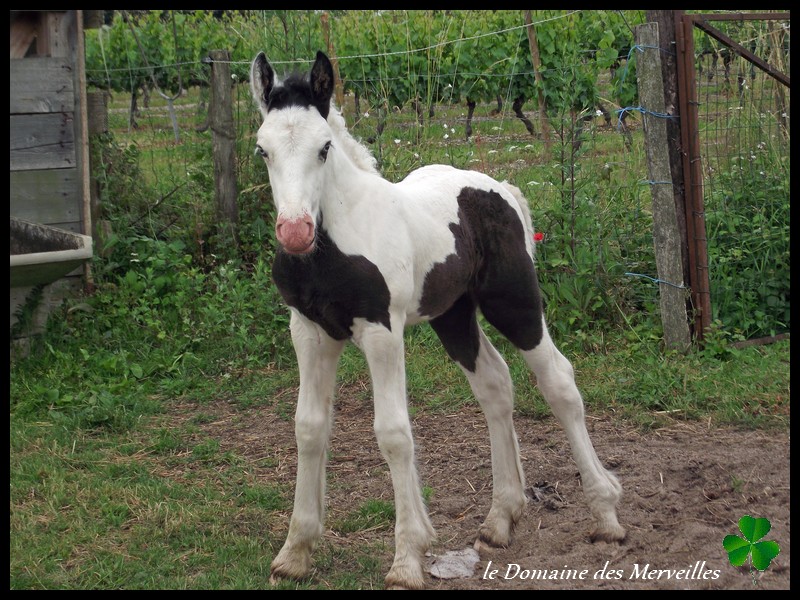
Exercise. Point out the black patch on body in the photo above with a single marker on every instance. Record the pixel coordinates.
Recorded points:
(490, 269)
(332, 288)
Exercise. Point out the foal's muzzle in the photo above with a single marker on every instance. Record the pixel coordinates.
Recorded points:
(296, 235)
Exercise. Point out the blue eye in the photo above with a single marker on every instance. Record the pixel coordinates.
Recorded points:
(261, 151)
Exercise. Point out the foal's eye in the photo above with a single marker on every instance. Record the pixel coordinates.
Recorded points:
(261, 151)
(323, 154)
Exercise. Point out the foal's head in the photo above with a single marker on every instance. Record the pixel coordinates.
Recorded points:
(295, 140)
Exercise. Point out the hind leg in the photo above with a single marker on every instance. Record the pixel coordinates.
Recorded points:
(492, 386)
(556, 381)
(519, 317)
(490, 381)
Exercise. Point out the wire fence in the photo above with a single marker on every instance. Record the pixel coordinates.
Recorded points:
(744, 119)
(588, 185)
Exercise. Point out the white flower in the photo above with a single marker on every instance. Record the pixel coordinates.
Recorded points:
(233, 76)
(366, 114)
(446, 136)
(598, 112)
(396, 141)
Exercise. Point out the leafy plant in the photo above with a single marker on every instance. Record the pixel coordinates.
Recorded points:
(748, 227)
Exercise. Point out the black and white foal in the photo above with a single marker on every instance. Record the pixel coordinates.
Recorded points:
(361, 258)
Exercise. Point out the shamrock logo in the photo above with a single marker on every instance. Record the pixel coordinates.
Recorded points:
(760, 553)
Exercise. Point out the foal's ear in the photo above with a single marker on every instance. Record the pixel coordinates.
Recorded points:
(322, 83)
(262, 80)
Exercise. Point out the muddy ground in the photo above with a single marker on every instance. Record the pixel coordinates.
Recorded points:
(686, 486)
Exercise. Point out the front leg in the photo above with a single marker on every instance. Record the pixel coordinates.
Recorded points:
(317, 357)
(413, 529)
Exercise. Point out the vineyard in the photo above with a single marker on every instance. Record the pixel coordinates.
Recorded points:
(458, 87)
(388, 60)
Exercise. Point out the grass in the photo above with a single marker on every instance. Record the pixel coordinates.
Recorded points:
(113, 512)
(160, 505)
(372, 514)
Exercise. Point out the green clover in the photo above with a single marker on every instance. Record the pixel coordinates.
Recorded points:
(739, 549)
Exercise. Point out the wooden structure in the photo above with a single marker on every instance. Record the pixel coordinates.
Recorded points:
(49, 141)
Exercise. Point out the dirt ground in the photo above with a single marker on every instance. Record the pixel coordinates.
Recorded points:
(685, 488)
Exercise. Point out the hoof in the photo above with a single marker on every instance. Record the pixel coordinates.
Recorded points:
(482, 547)
(497, 531)
(494, 540)
(611, 534)
(405, 579)
(289, 565)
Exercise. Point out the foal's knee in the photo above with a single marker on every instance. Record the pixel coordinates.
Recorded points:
(395, 441)
(311, 432)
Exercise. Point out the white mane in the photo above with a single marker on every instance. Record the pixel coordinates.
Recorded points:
(358, 153)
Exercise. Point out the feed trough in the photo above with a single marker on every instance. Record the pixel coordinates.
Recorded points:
(42, 254)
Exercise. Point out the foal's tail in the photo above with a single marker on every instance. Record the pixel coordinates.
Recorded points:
(526, 214)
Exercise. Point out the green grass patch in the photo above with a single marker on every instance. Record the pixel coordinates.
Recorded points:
(372, 514)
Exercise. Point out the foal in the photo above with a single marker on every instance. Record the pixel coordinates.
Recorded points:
(361, 258)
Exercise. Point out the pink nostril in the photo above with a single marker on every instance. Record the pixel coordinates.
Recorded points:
(296, 235)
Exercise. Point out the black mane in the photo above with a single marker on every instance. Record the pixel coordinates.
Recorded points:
(295, 90)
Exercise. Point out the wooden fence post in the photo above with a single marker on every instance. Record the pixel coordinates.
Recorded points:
(97, 118)
(537, 67)
(667, 238)
(665, 19)
(337, 81)
(223, 136)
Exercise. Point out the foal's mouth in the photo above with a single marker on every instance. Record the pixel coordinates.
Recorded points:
(299, 250)
(296, 236)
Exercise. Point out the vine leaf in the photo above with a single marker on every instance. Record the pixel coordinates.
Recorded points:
(739, 549)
